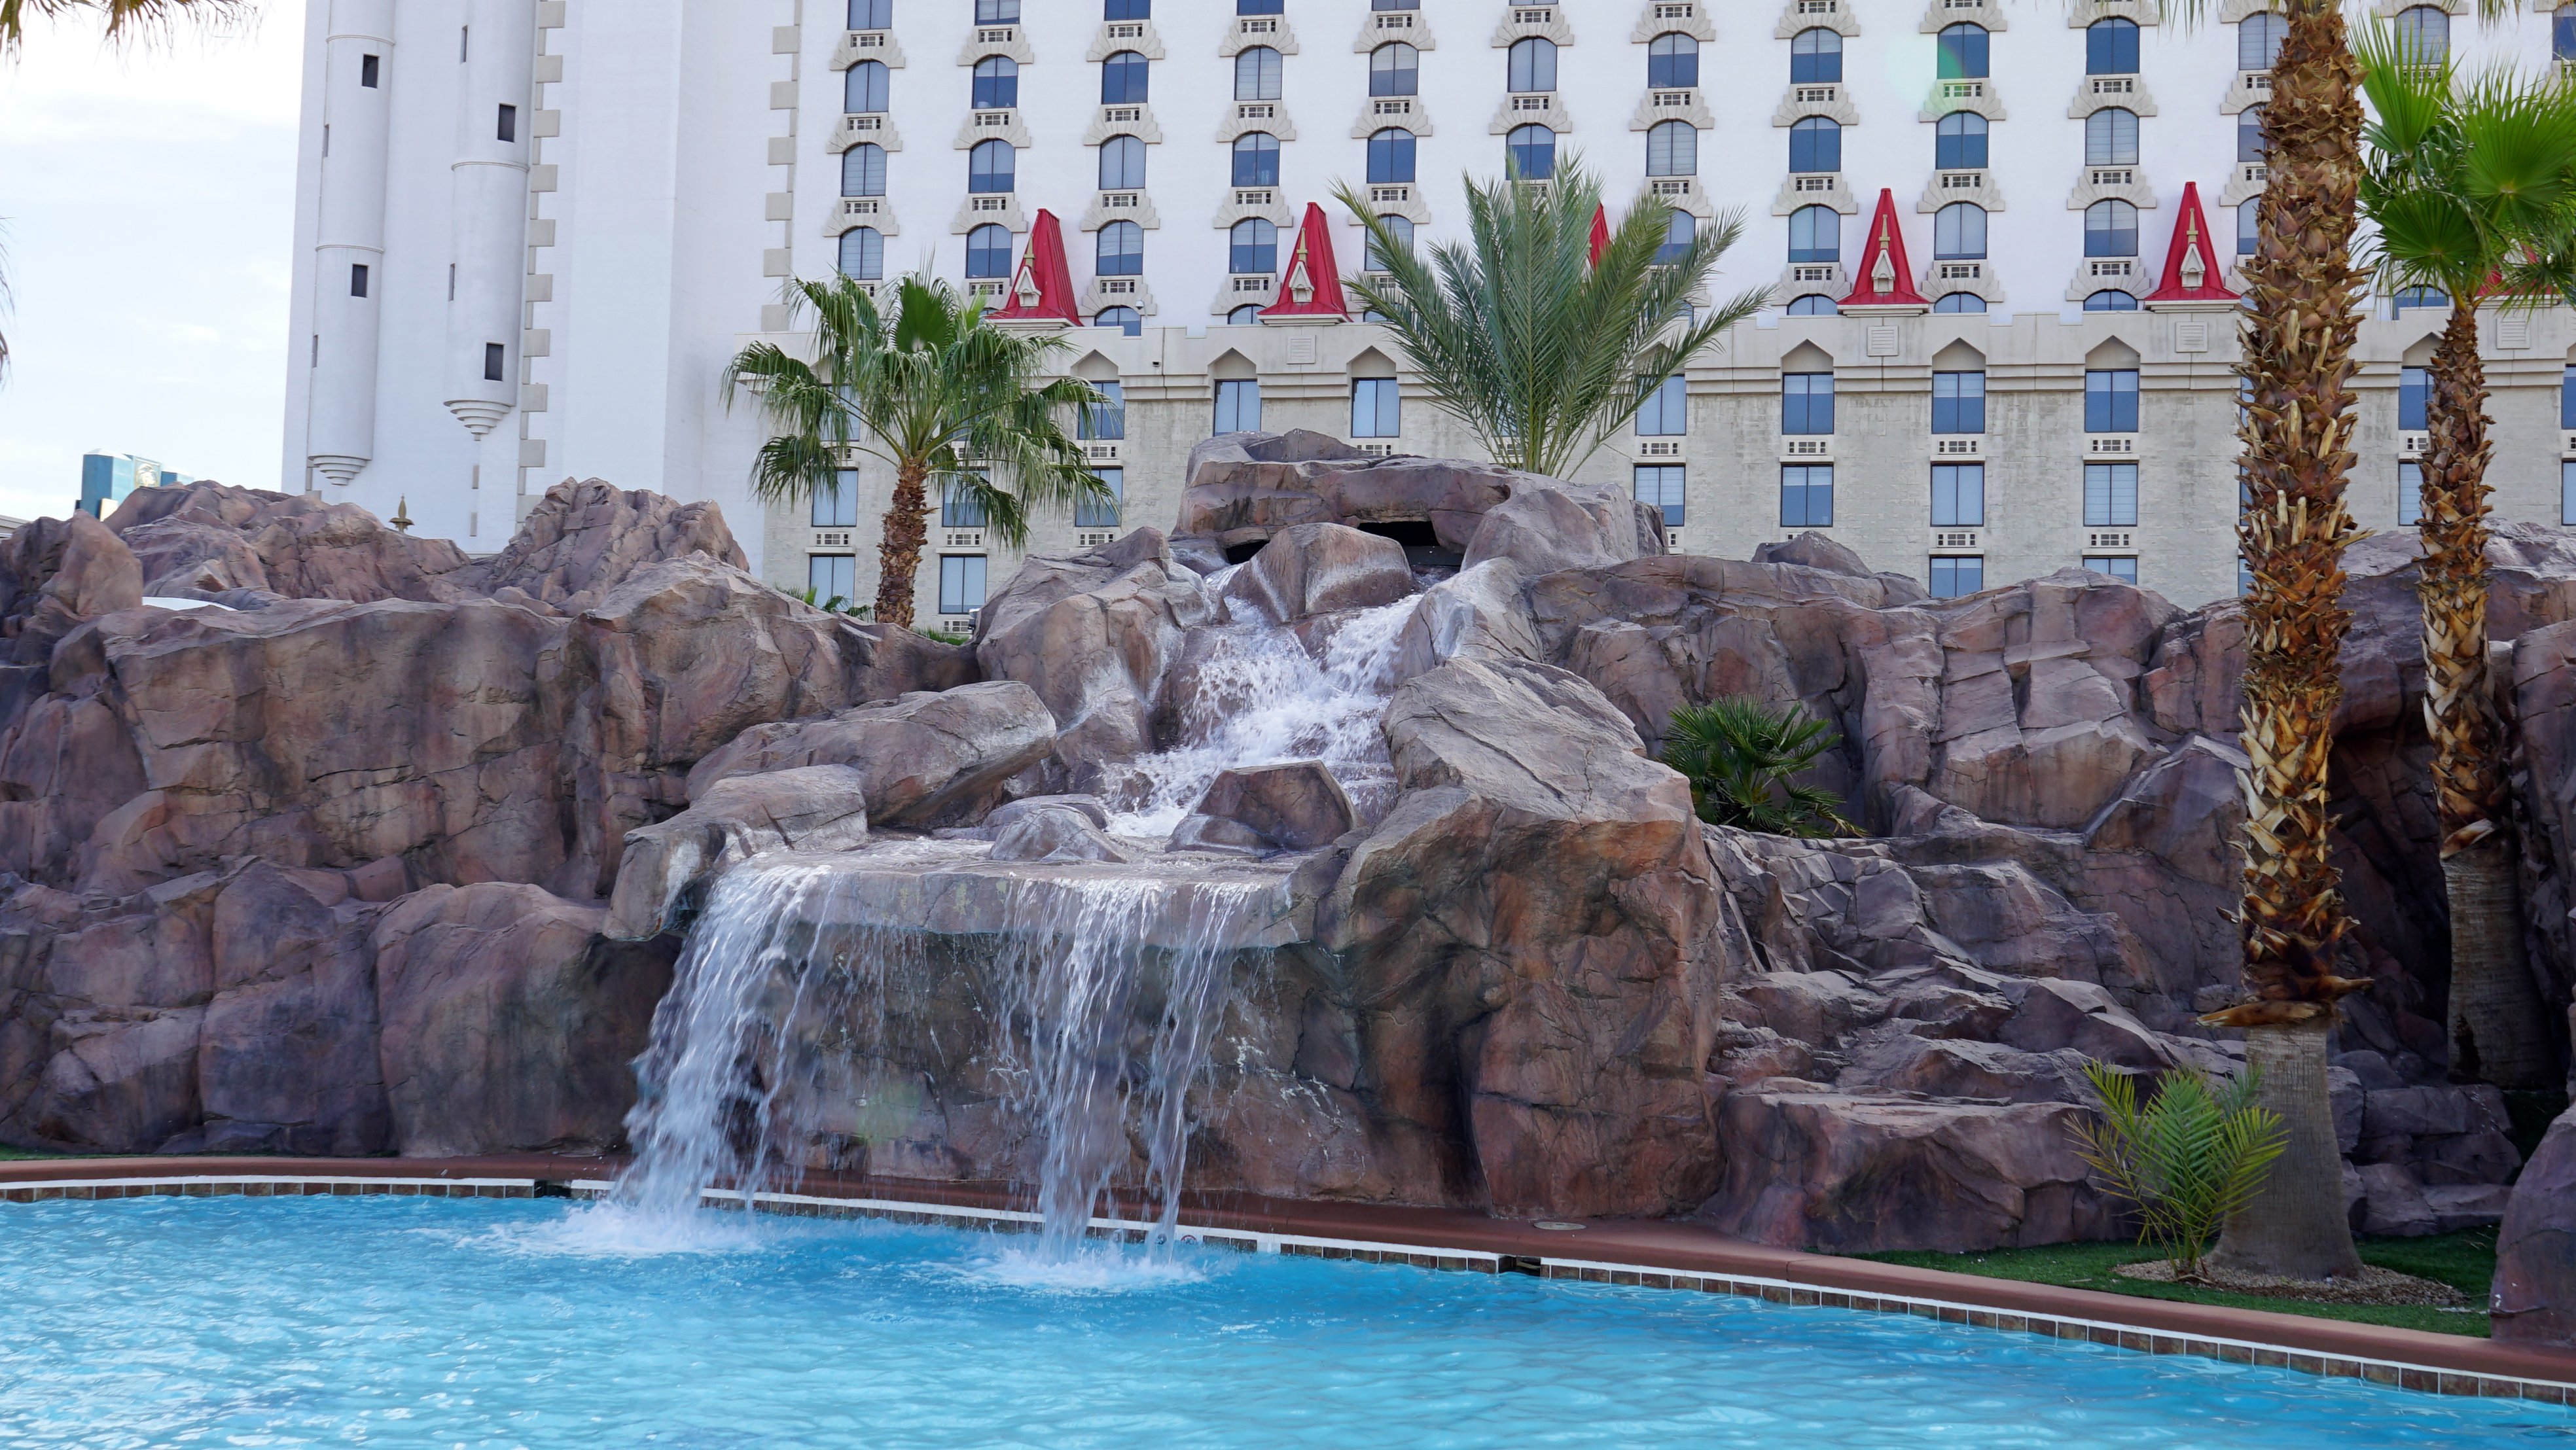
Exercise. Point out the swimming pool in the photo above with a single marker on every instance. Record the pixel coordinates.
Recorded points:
(416, 1322)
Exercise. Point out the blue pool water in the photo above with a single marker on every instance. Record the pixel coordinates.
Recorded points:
(399, 1322)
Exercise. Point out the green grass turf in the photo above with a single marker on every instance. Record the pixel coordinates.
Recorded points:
(2464, 1260)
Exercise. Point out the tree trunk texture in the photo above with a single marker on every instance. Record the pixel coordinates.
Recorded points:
(2497, 1035)
(2290, 1228)
(907, 529)
(2301, 319)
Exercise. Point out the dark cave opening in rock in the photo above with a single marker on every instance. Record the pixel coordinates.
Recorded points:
(1422, 548)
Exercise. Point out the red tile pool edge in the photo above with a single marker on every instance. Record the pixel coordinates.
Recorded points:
(1655, 1254)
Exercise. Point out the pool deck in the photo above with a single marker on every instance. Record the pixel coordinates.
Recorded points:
(1655, 1253)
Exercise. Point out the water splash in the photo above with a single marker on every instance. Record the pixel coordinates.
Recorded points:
(1258, 696)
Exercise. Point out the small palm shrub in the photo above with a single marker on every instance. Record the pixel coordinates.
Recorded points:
(1738, 754)
(2188, 1159)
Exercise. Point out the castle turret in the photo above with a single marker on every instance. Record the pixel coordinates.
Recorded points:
(349, 243)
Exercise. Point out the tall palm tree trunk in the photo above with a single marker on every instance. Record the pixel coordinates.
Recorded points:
(2301, 320)
(2497, 1034)
(907, 529)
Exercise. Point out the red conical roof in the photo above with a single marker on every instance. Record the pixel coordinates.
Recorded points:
(2192, 268)
(1883, 278)
(1042, 288)
(1310, 290)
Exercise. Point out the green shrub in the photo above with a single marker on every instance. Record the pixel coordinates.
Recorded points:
(2188, 1158)
(1738, 754)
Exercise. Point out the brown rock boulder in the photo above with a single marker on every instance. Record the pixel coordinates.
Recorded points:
(666, 866)
(1548, 525)
(55, 573)
(211, 537)
(1296, 805)
(1318, 568)
(1093, 635)
(923, 759)
(585, 539)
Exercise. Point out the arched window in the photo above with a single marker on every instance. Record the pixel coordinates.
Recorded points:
(2562, 33)
(863, 254)
(1814, 304)
(2111, 137)
(1673, 62)
(863, 170)
(988, 252)
(871, 14)
(2111, 48)
(1679, 232)
(1256, 74)
(2249, 229)
(1256, 159)
(1121, 250)
(1122, 163)
(1124, 79)
(864, 93)
(1816, 144)
(1815, 58)
(1395, 70)
(2417, 298)
(1959, 142)
(1533, 64)
(1253, 246)
(2249, 134)
(1390, 156)
(1963, 52)
(1959, 232)
(2424, 35)
(997, 83)
(1126, 319)
(2111, 300)
(1126, 10)
(1959, 302)
(1672, 149)
(1247, 315)
(992, 166)
(1398, 227)
(1532, 152)
(1815, 234)
(2258, 40)
(2110, 229)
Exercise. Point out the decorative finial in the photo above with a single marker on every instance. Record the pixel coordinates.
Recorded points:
(402, 515)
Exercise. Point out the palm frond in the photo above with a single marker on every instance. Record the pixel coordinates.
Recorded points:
(1738, 753)
(150, 22)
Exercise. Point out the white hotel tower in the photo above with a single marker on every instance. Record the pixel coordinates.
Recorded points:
(2001, 236)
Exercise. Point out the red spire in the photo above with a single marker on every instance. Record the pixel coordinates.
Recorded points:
(1310, 290)
(1883, 279)
(1042, 289)
(2192, 269)
(1600, 233)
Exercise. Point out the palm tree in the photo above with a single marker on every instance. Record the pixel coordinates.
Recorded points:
(932, 388)
(2473, 189)
(1738, 755)
(1522, 337)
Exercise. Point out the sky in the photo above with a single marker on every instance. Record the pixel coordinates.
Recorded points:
(147, 216)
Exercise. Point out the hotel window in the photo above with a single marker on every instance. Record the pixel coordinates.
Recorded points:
(2123, 567)
(1256, 159)
(1126, 319)
(1807, 496)
(1815, 234)
(1373, 258)
(1127, 10)
(2111, 401)
(2414, 385)
(1806, 403)
(1533, 64)
(2562, 33)
(2567, 398)
(2110, 299)
(996, 12)
(1259, 7)
(832, 577)
(1666, 412)
(2111, 48)
(1959, 232)
(2418, 299)
(1815, 144)
(961, 507)
(1672, 149)
(496, 362)
(506, 125)
(1099, 513)
(1121, 251)
(1390, 156)
(988, 252)
(1238, 405)
(863, 254)
(961, 583)
(1395, 70)
(1252, 247)
(1122, 164)
(1376, 410)
(1672, 62)
(1959, 402)
(2258, 40)
(370, 72)
(1395, 4)
(1663, 486)
(993, 166)
(1680, 231)
(2249, 134)
(864, 92)
(358, 279)
(2424, 35)
(2110, 495)
(1248, 315)
(1125, 79)
(1256, 74)
(2410, 493)
(2249, 227)
(2111, 137)
(2567, 492)
(1959, 142)
(997, 83)
(1959, 302)
(1531, 150)
(2110, 229)
(876, 14)
(1963, 50)
(1815, 58)
(837, 507)
(863, 170)
(1958, 495)
(1109, 420)
(1814, 304)
(1955, 576)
